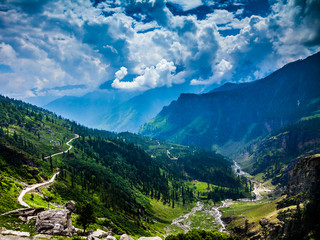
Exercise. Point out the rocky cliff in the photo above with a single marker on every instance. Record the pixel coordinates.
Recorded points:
(305, 177)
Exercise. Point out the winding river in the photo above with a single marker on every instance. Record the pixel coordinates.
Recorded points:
(183, 223)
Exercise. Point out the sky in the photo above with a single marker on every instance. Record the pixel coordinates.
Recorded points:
(52, 48)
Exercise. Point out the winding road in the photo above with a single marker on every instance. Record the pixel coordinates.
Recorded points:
(68, 143)
(34, 186)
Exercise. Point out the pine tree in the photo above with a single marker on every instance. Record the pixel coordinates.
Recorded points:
(85, 215)
(51, 166)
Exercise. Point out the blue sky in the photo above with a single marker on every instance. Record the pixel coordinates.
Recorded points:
(51, 48)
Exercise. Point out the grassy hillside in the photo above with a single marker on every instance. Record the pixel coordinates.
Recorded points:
(127, 178)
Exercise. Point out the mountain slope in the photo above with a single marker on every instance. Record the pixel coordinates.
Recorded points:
(114, 110)
(87, 109)
(122, 181)
(276, 154)
(235, 115)
(131, 114)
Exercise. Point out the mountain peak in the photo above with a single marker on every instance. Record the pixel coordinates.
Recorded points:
(239, 113)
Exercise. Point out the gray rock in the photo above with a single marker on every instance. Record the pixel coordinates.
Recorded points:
(23, 219)
(263, 222)
(97, 234)
(55, 222)
(111, 238)
(305, 177)
(71, 206)
(30, 218)
(16, 233)
(150, 238)
(125, 237)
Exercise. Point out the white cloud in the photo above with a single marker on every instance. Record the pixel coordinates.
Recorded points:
(221, 16)
(121, 73)
(155, 76)
(69, 43)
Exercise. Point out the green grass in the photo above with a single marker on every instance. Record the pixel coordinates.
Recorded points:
(198, 186)
(9, 191)
(53, 137)
(167, 213)
(56, 198)
(34, 200)
(12, 222)
(164, 214)
(198, 220)
(252, 211)
(202, 220)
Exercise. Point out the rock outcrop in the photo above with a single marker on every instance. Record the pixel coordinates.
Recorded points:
(111, 238)
(125, 237)
(150, 238)
(71, 206)
(306, 175)
(98, 234)
(271, 230)
(56, 221)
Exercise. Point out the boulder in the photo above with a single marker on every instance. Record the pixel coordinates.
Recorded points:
(23, 219)
(111, 238)
(71, 206)
(150, 238)
(30, 218)
(263, 222)
(16, 233)
(97, 234)
(125, 237)
(55, 222)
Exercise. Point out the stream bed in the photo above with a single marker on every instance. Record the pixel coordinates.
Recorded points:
(185, 223)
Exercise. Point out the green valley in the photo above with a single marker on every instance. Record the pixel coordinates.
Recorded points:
(136, 185)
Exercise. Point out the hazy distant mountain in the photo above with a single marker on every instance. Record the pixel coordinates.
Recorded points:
(117, 111)
(90, 108)
(131, 114)
(238, 113)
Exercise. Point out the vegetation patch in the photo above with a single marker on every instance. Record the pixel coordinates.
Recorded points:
(9, 191)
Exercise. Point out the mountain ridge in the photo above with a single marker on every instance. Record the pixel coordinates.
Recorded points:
(243, 113)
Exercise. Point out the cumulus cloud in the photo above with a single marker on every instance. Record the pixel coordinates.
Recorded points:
(62, 43)
(43, 50)
(152, 77)
(121, 73)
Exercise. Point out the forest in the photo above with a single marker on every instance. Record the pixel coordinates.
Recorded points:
(104, 167)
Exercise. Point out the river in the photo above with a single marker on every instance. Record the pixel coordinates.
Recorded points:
(183, 223)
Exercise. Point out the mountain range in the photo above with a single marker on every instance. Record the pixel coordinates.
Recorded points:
(141, 185)
(229, 117)
(117, 111)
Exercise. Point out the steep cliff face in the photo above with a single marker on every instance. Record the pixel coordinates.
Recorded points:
(305, 177)
(296, 215)
(275, 155)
